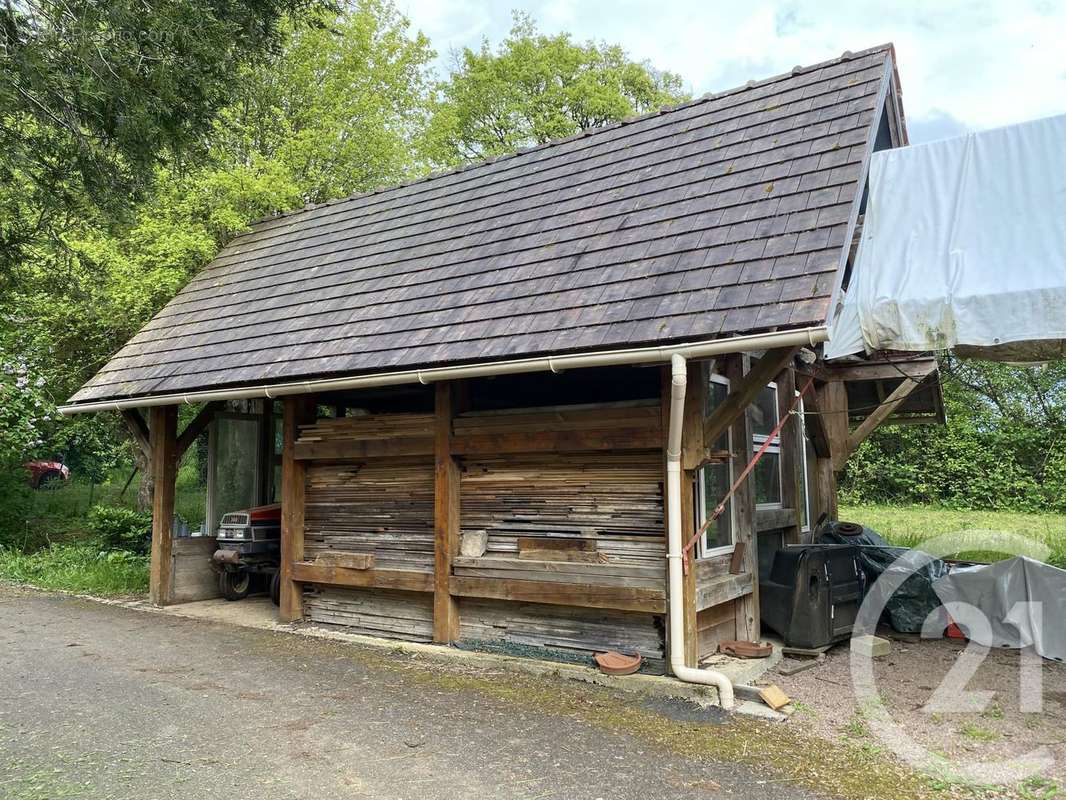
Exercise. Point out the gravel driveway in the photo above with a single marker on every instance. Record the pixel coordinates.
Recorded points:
(106, 702)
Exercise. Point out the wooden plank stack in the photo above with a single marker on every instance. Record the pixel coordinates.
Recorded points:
(373, 612)
(381, 506)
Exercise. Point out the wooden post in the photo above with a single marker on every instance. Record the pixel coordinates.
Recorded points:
(163, 434)
(747, 607)
(833, 408)
(445, 518)
(298, 411)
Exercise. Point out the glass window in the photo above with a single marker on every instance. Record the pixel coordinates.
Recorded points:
(714, 480)
(235, 473)
(767, 472)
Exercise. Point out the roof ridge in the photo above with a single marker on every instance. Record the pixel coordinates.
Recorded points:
(847, 55)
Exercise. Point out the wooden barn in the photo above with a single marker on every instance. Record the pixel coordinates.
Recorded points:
(500, 405)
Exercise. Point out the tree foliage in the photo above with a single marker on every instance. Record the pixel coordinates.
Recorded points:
(1004, 445)
(97, 93)
(534, 88)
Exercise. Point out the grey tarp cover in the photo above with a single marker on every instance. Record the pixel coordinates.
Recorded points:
(995, 590)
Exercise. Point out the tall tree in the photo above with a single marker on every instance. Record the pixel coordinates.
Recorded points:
(534, 88)
(96, 93)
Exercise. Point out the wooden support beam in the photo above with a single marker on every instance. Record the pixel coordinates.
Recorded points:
(197, 426)
(736, 369)
(585, 595)
(817, 431)
(833, 408)
(880, 414)
(298, 410)
(745, 390)
(916, 369)
(445, 518)
(138, 430)
(336, 575)
(163, 463)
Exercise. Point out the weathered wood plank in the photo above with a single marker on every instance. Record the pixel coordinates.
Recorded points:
(355, 449)
(550, 441)
(724, 589)
(332, 575)
(583, 595)
(164, 466)
(746, 607)
(916, 369)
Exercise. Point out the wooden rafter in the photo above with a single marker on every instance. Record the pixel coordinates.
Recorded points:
(742, 392)
(197, 426)
(881, 413)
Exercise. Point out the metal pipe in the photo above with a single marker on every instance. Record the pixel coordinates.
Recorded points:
(675, 609)
(557, 363)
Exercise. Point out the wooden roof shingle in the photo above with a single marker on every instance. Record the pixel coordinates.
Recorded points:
(725, 215)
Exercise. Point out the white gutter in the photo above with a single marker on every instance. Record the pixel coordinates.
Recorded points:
(642, 355)
(675, 609)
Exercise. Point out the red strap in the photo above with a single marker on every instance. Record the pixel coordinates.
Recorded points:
(743, 475)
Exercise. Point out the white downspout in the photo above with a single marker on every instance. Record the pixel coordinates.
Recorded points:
(675, 610)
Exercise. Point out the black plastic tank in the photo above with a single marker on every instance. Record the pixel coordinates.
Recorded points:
(812, 593)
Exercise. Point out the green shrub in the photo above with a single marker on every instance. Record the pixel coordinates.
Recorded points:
(121, 529)
(77, 568)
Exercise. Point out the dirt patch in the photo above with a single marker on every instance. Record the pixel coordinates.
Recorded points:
(960, 705)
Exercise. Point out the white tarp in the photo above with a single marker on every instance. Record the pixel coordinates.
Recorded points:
(963, 246)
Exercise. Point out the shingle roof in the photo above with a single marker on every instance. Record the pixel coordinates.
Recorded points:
(724, 215)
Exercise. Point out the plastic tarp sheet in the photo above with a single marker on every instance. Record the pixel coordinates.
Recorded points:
(963, 247)
(1019, 602)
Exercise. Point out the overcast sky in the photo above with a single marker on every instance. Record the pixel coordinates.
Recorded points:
(963, 65)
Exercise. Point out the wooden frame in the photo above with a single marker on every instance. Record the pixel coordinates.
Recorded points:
(297, 411)
(445, 519)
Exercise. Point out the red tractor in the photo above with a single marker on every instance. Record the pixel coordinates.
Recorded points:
(249, 545)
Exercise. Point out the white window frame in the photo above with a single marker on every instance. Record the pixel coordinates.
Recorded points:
(803, 442)
(705, 551)
(757, 440)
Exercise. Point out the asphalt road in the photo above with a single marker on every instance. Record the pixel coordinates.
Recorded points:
(102, 701)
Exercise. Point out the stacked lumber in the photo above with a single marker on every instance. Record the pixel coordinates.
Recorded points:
(584, 631)
(367, 427)
(372, 612)
(382, 507)
(563, 419)
(613, 499)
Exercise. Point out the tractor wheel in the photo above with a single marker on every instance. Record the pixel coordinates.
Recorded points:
(234, 585)
(50, 481)
(275, 588)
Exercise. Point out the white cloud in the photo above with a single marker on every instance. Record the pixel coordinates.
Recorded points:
(963, 65)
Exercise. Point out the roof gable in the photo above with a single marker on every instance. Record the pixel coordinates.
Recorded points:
(725, 215)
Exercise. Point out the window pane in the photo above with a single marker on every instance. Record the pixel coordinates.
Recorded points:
(715, 486)
(764, 412)
(767, 474)
(716, 395)
(237, 448)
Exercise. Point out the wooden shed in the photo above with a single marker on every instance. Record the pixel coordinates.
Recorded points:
(476, 375)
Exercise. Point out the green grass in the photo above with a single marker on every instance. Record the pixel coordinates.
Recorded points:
(77, 568)
(908, 526)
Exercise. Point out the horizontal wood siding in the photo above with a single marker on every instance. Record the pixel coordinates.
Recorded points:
(374, 612)
(571, 630)
(613, 499)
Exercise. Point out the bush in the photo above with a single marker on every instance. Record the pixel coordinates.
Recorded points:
(121, 529)
(77, 568)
